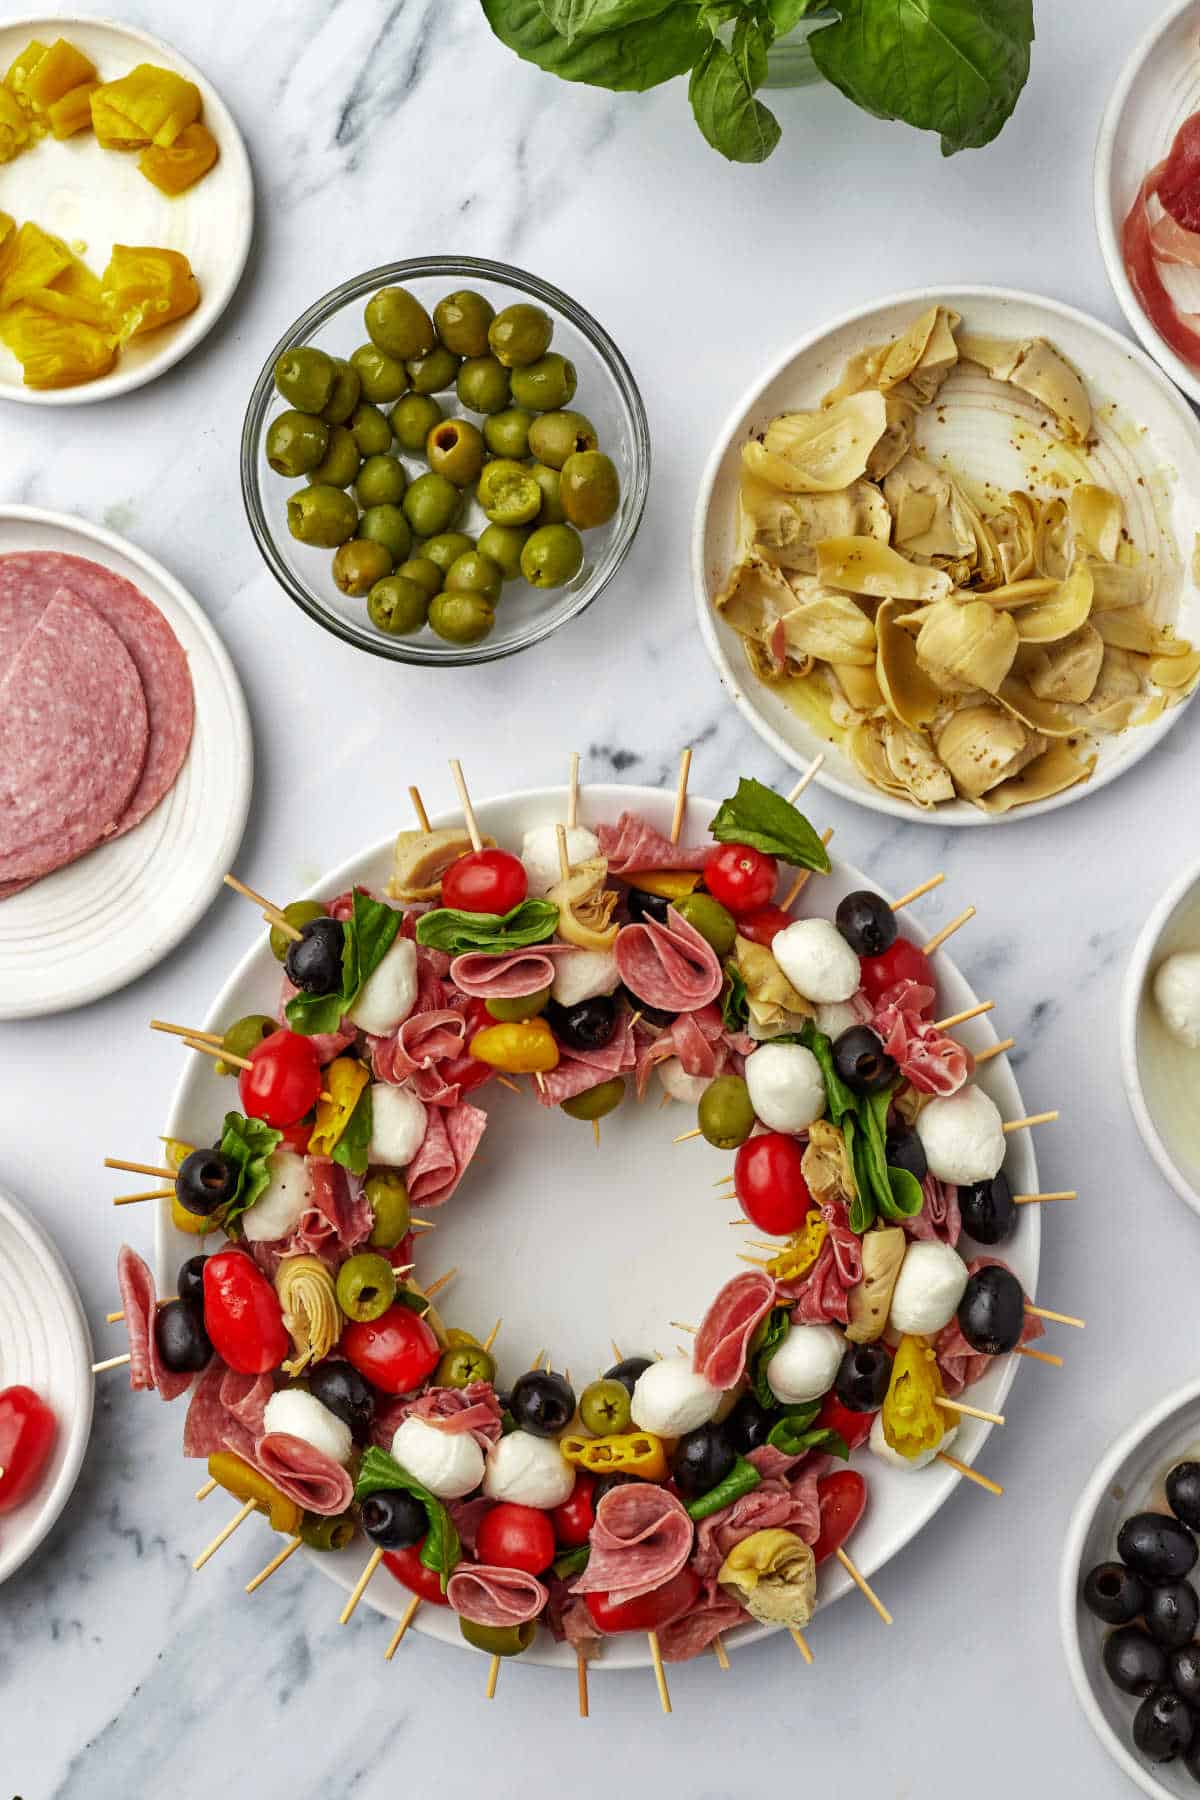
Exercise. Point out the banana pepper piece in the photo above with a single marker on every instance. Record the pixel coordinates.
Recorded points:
(912, 1420)
(244, 1482)
(16, 131)
(802, 1250)
(623, 1452)
(73, 112)
(773, 1575)
(345, 1079)
(148, 106)
(181, 165)
(145, 287)
(526, 1047)
(585, 906)
(668, 884)
(58, 70)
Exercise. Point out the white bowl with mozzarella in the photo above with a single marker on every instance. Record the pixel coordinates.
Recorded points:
(1160, 1069)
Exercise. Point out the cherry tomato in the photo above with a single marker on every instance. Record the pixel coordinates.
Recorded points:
(649, 1612)
(770, 1184)
(855, 1427)
(573, 1520)
(27, 1432)
(295, 1137)
(516, 1537)
(242, 1314)
(410, 1572)
(842, 1498)
(903, 962)
(741, 878)
(764, 925)
(491, 881)
(395, 1352)
(283, 1081)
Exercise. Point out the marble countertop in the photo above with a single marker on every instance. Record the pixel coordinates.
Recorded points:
(387, 131)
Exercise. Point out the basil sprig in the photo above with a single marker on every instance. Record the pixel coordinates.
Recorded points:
(735, 1013)
(743, 1478)
(367, 937)
(249, 1142)
(882, 1192)
(766, 1340)
(794, 1433)
(758, 816)
(447, 928)
(572, 1562)
(442, 1548)
(351, 1148)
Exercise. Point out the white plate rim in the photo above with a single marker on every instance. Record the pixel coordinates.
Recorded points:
(1136, 972)
(154, 949)
(194, 330)
(1147, 738)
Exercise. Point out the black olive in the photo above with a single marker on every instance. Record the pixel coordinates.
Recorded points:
(1172, 1613)
(991, 1313)
(650, 1015)
(393, 1519)
(628, 1371)
(314, 963)
(190, 1281)
(588, 1025)
(702, 1459)
(863, 1377)
(542, 1402)
(207, 1180)
(647, 906)
(1133, 1661)
(748, 1425)
(1183, 1671)
(906, 1151)
(1162, 1725)
(1113, 1593)
(181, 1338)
(987, 1209)
(861, 1060)
(1183, 1493)
(344, 1391)
(1156, 1546)
(867, 922)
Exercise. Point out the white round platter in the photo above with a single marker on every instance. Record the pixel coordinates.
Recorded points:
(1161, 1075)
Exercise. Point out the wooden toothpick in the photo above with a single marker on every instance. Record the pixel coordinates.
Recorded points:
(360, 1586)
(926, 887)
(793, 894)
(276, 1562)
(225, 1533)
(1042, 1118)
(960, 1018)
(465, 802)
(681, 788)
(410, 1614)
(418, 806)
(573, 792)
(864, 1587)
(947, 931)
(970, 1474)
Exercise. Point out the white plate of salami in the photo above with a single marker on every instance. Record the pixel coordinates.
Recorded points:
(577, 1247)
(125, 762)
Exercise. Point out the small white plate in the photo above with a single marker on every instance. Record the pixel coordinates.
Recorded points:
(1158, 88)
(96, 924)
(1147, 450)
(1161, 1075)
(44, 1344)
(1123, 1482)
(85, 194)
(560, 1241)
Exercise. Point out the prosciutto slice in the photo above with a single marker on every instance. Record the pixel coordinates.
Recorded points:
(641, 1539)
(774, 1505)
(820, 1296)
(492, 1596)
(568, 1617)
(508, 975)
(1175, 183)
(339, 1216)
(696, 1038)
(304, 1473)
(147, 1371)
(633, 845)
(421, 1042)
(669, 966)
(939, 1218)
(715, 1612)
(727, 1327)
(467, 1516)
(931, 1061)
(962, 1366)
(473, 1409)
(452, 1136)
(579, 1070)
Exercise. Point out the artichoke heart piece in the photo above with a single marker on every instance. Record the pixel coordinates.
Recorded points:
(1038, 369)
(870, 1302)
(1132, 628)
(1053, 551)
(984, 745)
(930, 520)
(908, 691)
(826, 1165)
(774, 1576)
(585, 906)
(828, 625)
(1060, 613)
(864, 746)
(914, 764)
(1014, 530)
(755, 597)
(967, 646)
(771, 1001)
(1116, 584)
(860, 685)
(311, 1315)
(786, 528)
(1067, 670)
(1096, 520)
(1176, 674)
(922, 357)
(421, 858)
(818, 452)
(862, 565)
(1055, 770)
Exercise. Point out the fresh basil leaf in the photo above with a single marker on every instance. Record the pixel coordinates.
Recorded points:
(442, 1548)
(351, 1148)
(314, 1014)
(863, 1207)
(582, 18)
(785, 15)
(841, 1099)
(735, 1014)
(743, 1478)
(446, 928)
(770, 1335)
(952, 66)
(637, 57)
(907, 1196)
(368, 935)
(796, 1439)
(250, 1143)
(572, 1562)
(758, 816)
(721, 91)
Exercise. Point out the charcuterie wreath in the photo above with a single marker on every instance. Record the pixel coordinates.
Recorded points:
(674, 1497)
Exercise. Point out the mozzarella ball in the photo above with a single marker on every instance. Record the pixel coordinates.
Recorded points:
(817, 960)
(805, 1365)
(679, 1084)
(283, 1202)
(448, 1463)
(302, 1415)
(528, 1470)
(670, 1398)
(893, 1458)
(539, 853)
(388, 995)
(1177, 991)
(962, 1137)
(582, 975)
(397, 1125)
(787, 1088)
(836, 1016)
(931, 1282)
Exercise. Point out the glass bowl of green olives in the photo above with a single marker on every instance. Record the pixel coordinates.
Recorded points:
(444, 460)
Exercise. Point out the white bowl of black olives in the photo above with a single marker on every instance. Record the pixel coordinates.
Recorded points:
(1129, 1598)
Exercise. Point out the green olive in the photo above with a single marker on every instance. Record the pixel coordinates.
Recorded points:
(322, 1533)
(462, 1365)
(504, 543)
(520, 334)
(306, 378)
(398, 323)
(553, 555)
(347, 389)
(386, 524)
(388, 1200)
(322, 515)
(358, 565)
(707, 916)
(522, 1006)
(549, 484)
(425, 572)
(432, 504)
(545, 384)
(462, 321)
(243, 1036)
(725, 1114)
(366, 1286)
(461, 618)
(381, 482)
(398, 606)
(413, 418)
(596, 1102)
(446, 548)
(499, 1640)
(454, 448)
(433, 373)
(507, 433)
(482, 385)
(556, 435)
(590, 488)
(296, 442)
(339, 465)
(372, 433)
(604, 1407)
(508, 493)
(474, 573)
(297, 913)
(382, 377)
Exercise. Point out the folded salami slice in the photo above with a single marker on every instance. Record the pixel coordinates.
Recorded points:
(147, 1371)
(457, 1410)
(632, 845)
(641, 1539)
(580, 1070)
(962, 1366)
(729, 1324)
(245, 1397)
(491, 1596)
(507, 975)
(209, 1425)
(715, 1611)
(304, 1473)
(668, 966)
(467, 1516)
(452, 1135)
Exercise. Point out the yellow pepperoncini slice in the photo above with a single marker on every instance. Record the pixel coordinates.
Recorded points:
(17, 75)
(244, 1482)
(668, 884)
(15, 130)
(61, 68)
(73, 112)
(175, 168)
(145, 287)
(912, 1419)
(802, 1250)
(345, 1079)
(150, 105)
(32, 261)
(55, 352)
(525, 1047)
(629, 1452)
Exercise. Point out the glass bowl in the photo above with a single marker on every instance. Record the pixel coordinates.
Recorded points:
(607, 394)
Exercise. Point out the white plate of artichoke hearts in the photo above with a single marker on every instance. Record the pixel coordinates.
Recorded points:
(952, 536)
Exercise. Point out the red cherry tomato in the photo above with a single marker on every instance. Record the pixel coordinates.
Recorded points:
(770, 1184)
(573, 1520)
(764, 925)
(410, 1572)
(283, 1081)
(855, 1427)
(491, 881)
(27, 1432)
(741, 878)
(395, 1352)
(295, 1137)
(516, 1537)
(903, 962)
(242, 1314)
(842, 1498)
(649, 1612)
